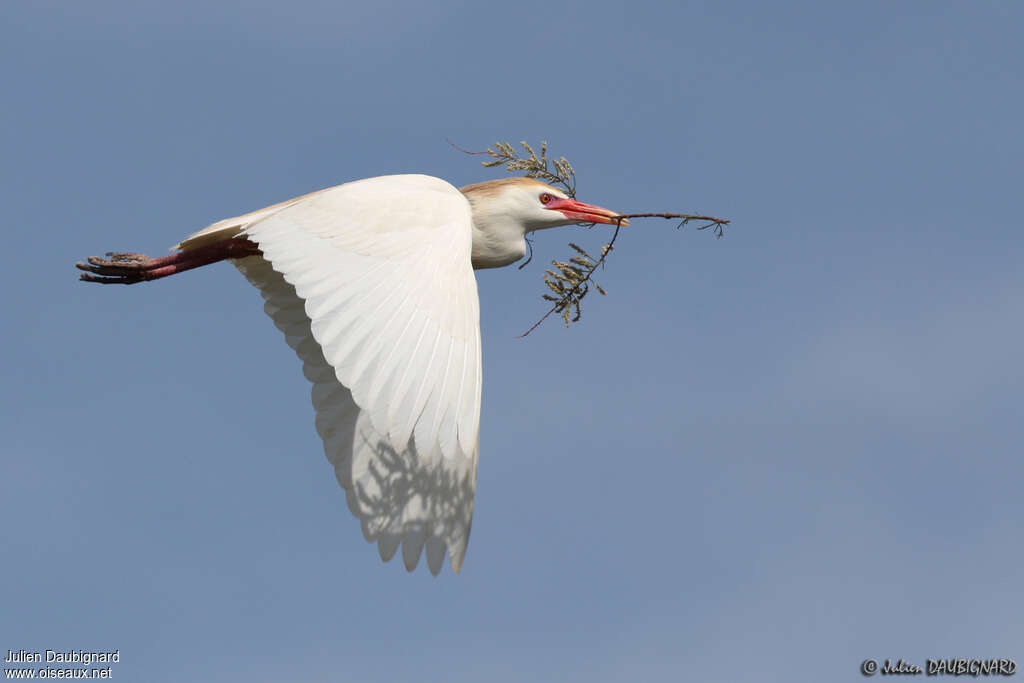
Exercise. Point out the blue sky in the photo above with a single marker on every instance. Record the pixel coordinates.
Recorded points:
(767, 456)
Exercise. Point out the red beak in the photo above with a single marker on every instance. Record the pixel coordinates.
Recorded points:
(584, 213)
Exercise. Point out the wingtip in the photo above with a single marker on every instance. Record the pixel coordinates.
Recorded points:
(412, 548)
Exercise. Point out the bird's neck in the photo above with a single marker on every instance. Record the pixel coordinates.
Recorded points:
(498, 239)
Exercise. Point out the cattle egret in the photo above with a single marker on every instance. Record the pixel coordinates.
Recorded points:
(372, 284)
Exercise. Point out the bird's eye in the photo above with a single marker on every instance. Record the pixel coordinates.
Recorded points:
(545, 198)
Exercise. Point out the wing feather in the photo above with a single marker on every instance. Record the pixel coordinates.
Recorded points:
(372, 285)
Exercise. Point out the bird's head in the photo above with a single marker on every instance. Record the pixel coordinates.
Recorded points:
(533, 204)
(506, 210)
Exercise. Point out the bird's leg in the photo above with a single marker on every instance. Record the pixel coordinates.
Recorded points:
(127, 269)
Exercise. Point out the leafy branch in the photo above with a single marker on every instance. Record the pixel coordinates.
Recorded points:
(535, 165)
(570, 281)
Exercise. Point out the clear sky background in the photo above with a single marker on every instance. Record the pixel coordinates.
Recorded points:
(765, 457)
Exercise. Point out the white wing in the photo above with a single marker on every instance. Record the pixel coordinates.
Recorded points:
(372, 284)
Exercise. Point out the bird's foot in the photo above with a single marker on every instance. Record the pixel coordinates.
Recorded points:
(121, 268)
(120, 258)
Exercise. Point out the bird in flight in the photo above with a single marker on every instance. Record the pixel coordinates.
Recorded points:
(372, 284)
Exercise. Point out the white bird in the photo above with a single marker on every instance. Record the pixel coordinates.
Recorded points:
(372, 284)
